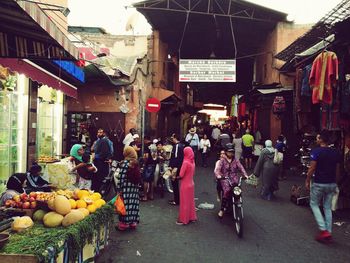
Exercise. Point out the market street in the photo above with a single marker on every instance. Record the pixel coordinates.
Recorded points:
(276, 231)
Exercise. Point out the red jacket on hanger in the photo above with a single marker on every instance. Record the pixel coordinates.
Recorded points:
(323, 76)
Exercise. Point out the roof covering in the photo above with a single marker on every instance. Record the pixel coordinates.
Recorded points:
(199, 29)
(94, 74)
(321, 30)
(208, 25)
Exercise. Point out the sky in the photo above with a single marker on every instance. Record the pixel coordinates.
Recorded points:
(113, 16)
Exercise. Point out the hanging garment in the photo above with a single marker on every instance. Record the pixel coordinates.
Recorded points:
(241, 109)
(330, 116)
(345, 98)
(305, 86)
(323, 76)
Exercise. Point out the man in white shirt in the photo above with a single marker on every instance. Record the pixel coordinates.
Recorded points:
(215, 134)
(193, 141)
(129, 137)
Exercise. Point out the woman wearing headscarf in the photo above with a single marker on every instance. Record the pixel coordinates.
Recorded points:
(267, 171)
(15, 186)
(128, 187)
(75, 163)
(187, 210)
(228, 170)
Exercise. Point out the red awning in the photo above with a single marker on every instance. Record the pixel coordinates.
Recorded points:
(37, 73)
(26, 31)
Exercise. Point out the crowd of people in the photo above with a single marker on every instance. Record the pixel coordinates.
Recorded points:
(176, 157)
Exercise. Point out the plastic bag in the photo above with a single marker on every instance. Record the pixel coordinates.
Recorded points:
(119, 205)
(252, 180)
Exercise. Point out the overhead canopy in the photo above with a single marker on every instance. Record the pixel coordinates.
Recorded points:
(207, 34)
(95, 75)
(208, 28)
(163, 94)
(27, 32)
(276, 90)
(37, 73)
(320, 31)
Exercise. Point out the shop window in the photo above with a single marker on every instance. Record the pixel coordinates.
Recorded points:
(50, 122)
(13, 124)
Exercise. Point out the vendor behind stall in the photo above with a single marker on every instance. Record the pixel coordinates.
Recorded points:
(35, 183)
(15, 186)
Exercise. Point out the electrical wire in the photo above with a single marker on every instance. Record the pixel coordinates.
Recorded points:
(183, 33)
(233, 38)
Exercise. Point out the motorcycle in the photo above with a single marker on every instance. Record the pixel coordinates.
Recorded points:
(237, 205)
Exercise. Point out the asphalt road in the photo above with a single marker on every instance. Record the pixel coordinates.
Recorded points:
(274, 231)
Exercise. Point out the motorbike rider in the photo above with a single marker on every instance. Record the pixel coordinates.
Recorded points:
(226, 171)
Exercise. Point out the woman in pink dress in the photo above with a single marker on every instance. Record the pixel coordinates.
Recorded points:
(187, 212)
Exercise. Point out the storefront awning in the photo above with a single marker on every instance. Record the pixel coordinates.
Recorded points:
(37, 73)
(271, 91)
(162, 94)
(27, 32)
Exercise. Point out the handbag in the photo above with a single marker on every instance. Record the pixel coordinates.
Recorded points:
(278, 157)
(118, 204)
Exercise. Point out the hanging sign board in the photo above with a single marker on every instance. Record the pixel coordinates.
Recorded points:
(152, 105)
(207, 70)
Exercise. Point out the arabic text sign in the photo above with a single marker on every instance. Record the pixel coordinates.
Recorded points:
(207, 70)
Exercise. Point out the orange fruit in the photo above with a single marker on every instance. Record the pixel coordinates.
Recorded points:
(100, 202)
(82, 193)
(91, 208)
(81, 204)
(95, 196)
(73, 203)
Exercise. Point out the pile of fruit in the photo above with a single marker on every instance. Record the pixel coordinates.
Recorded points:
(29, 201)
(47, 159)
(67, 211)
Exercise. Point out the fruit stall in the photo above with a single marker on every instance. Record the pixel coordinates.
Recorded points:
(62, 226)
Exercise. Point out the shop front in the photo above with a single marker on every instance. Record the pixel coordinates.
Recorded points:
(321, 62)
(14, 97)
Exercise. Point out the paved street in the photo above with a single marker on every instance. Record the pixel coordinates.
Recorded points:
(276, 231)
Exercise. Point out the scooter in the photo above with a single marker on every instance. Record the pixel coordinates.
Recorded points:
(237, 205)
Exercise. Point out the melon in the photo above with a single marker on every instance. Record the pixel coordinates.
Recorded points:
(84, 211)
(52, 219)
(62, 205)
(21, 223)
(72, 217)
(39, 215)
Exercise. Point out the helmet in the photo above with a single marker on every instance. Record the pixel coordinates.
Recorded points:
(229, 147)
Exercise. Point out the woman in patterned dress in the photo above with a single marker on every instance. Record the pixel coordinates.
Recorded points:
(128, 186)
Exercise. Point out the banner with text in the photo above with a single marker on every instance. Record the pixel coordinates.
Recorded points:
(207, 70)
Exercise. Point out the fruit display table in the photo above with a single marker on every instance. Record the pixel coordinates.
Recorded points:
(79, 242)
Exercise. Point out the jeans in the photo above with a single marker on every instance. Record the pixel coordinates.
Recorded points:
(318, 193)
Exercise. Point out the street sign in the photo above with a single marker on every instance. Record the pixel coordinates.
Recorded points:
(153, 105)
(207, 70)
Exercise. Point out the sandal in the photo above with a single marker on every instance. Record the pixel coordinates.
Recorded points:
(144, 199)
(172, 203)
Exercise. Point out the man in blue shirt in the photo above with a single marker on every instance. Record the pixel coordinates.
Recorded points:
(324, 169)
(103, 149)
